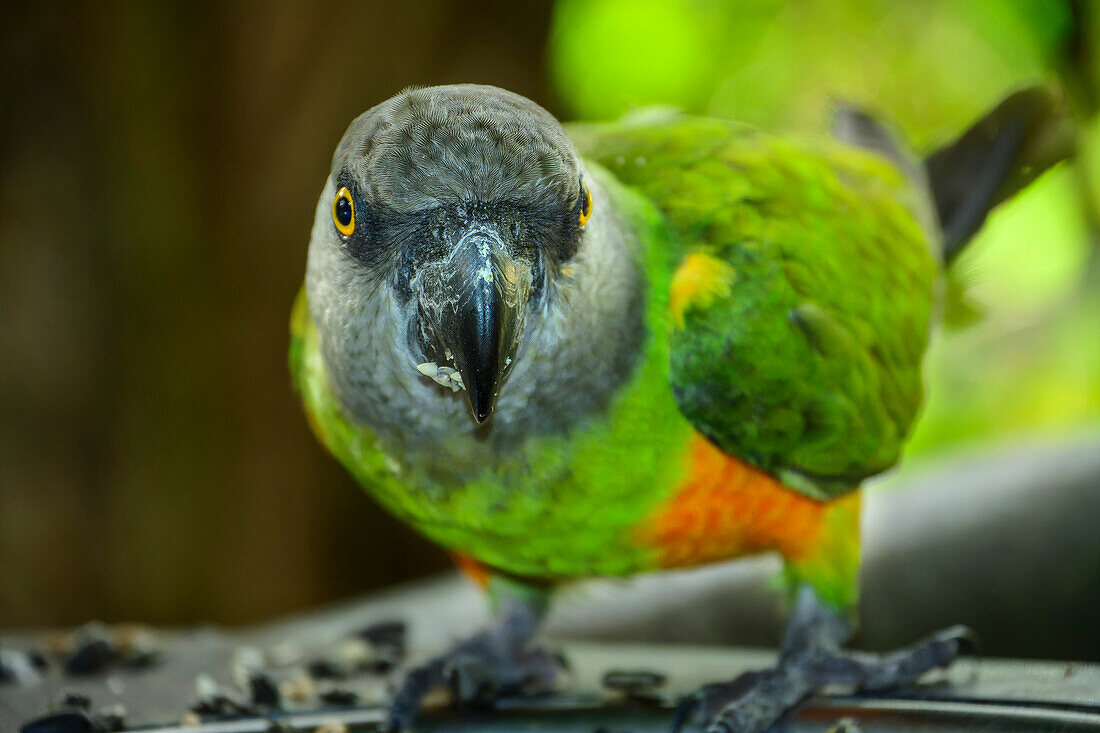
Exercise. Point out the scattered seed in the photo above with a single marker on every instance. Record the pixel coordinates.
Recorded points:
(90, 657)
(375, 693)
(139, 648)
(37, 658)
(221, 705)
(323, 669)
(298, 689)
(92, 650)
(205, 686)
(112, 718)
(263, 690)
(339, 696)
(74, 699)
(213, 701)
(128, 638)
(246, 662)
(388, 638)
(17, 668)
(355, 655)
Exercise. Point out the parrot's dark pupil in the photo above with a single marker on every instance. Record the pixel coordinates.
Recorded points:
(343, 211)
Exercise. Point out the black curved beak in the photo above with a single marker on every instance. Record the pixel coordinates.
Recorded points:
(478, 346)
(471, 311)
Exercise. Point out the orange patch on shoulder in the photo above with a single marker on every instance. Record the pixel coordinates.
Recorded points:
(698, 280)
(472, 569)
(725, 508)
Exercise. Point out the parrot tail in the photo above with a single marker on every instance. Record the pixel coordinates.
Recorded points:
(999, 155)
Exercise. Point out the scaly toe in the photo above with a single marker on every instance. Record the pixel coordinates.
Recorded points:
(756, 701)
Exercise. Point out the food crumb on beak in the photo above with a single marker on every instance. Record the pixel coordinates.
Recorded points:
(444, 375)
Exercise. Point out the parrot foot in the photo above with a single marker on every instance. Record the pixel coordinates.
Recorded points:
(481, 669)
(809, 661)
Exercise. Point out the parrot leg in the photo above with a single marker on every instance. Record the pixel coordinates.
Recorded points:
(488, 665)
(811, 659)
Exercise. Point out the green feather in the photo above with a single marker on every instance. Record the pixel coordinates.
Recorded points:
(809, 367)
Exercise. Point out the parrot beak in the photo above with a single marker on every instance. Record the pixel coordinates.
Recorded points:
(471, 308)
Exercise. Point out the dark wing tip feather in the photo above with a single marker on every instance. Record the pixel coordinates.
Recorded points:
(1000, 154)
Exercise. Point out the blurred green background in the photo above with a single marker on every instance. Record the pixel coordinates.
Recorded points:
(159, 166)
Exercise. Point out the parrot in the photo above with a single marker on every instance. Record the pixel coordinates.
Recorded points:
(639, 345)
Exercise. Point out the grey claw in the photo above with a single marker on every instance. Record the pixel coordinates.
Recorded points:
(469, 681)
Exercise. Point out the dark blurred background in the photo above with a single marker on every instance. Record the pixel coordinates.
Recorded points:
(159, 167)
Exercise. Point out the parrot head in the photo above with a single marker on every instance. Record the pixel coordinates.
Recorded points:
(445, 261)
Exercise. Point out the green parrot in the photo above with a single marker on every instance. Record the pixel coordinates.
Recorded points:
(645, 344)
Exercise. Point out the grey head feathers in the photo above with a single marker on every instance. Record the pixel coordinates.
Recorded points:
(429, 146)
(468, 254)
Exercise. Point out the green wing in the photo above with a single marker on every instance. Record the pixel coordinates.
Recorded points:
(802, 302)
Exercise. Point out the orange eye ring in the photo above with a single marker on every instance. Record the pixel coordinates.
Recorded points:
(343, 212)
(586, 207)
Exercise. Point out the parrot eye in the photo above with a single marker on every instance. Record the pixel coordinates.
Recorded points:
(343, 212)
(586, 205)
